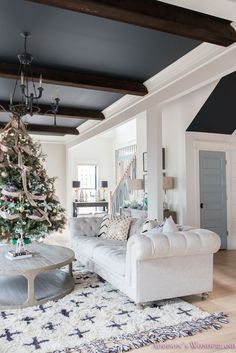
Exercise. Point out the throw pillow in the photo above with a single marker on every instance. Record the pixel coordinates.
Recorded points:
(118, 228)
(104, 224)
(148, 225)
(169, 226)
(136, 226)
(159, 228)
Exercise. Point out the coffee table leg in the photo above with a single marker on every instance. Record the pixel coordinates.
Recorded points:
(70, 269)
(31, 296)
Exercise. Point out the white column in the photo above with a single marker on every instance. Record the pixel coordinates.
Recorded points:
(154, 162)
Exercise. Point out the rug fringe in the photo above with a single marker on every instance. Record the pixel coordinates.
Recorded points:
(137, 340)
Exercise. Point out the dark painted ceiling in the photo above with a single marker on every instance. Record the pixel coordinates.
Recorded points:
(65, 39)
(218, 114)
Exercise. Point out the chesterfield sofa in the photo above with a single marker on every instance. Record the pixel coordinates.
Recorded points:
(148, 267)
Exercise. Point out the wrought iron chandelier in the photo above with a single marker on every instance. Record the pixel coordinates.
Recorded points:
(26, 102)
(25, 96)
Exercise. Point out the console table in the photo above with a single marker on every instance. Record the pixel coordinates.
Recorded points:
(78, 204)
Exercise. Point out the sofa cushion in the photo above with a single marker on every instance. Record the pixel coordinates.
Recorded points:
(111, 255)
(84, 226)
(86, 245)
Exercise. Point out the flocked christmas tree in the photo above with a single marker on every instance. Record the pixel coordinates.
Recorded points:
(28, 203)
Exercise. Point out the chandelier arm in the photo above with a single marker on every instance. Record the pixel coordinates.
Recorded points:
(18, 75)
(34, 89)
(5, 111)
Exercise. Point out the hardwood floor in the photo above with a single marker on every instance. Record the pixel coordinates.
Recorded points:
(223, 299)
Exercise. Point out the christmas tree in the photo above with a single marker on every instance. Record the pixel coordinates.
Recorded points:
(28, 203)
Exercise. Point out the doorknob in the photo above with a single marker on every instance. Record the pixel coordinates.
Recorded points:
(201, 205)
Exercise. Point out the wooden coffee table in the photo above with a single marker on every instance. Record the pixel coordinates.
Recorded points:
(35, 280)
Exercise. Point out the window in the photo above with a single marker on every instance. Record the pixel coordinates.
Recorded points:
(87, 175)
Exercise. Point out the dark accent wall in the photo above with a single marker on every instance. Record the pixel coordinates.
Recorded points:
(218, 114)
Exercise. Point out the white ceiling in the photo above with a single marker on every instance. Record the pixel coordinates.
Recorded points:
(219, 8)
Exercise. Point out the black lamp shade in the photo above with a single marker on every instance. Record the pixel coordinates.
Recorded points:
(76, 184)
(104, 184)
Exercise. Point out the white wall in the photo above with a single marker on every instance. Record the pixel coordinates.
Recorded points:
(56, 167)
(177, 116)
(97, 150)
(124, 135)
(141, 134)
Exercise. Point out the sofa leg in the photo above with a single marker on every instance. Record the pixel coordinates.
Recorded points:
(140, 306)
(205, 296)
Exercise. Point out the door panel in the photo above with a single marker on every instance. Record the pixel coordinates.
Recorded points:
(213, 211)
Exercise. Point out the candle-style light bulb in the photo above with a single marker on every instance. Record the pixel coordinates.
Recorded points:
(22, 78)
(57, 94)
(40, 81)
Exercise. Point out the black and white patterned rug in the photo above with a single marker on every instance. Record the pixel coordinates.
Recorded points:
(97, 318)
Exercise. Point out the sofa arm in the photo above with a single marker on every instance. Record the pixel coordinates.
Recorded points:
(88, 226)
(186, 243)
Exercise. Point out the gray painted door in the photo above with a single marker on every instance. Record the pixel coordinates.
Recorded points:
(213, 199)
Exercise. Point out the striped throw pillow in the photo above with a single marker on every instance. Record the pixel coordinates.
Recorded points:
(104, 224)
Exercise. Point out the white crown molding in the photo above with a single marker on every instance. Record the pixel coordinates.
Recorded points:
(233, 24)
(220, 8)
(203, 65)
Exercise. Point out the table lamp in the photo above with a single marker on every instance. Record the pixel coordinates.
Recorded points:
(168, 184)
(104, 186)
(135, 185)
(76, 186)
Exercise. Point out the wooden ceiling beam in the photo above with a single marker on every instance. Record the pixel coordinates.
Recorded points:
(77, 79)
(57, 130)
(155, 15)
(65, 111)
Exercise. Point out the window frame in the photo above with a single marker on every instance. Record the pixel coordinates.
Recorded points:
(96, 175)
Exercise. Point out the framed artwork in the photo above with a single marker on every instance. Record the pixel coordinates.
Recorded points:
(145, 161)
(145, 183)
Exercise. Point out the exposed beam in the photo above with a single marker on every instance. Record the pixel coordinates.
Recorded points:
(78, 79)
(65, 111)
(62, 130)
(156, 15)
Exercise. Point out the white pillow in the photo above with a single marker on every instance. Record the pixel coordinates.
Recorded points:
(148, 225)
(170, 226)
(136, 226)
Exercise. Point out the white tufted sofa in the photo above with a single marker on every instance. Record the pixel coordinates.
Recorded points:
(148, 267)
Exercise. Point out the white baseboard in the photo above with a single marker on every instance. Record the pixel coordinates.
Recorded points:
(232, 243)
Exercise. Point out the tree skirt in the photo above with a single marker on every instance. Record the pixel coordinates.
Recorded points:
(97, 318)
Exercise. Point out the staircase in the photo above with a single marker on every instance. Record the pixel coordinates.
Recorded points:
(121, 192)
